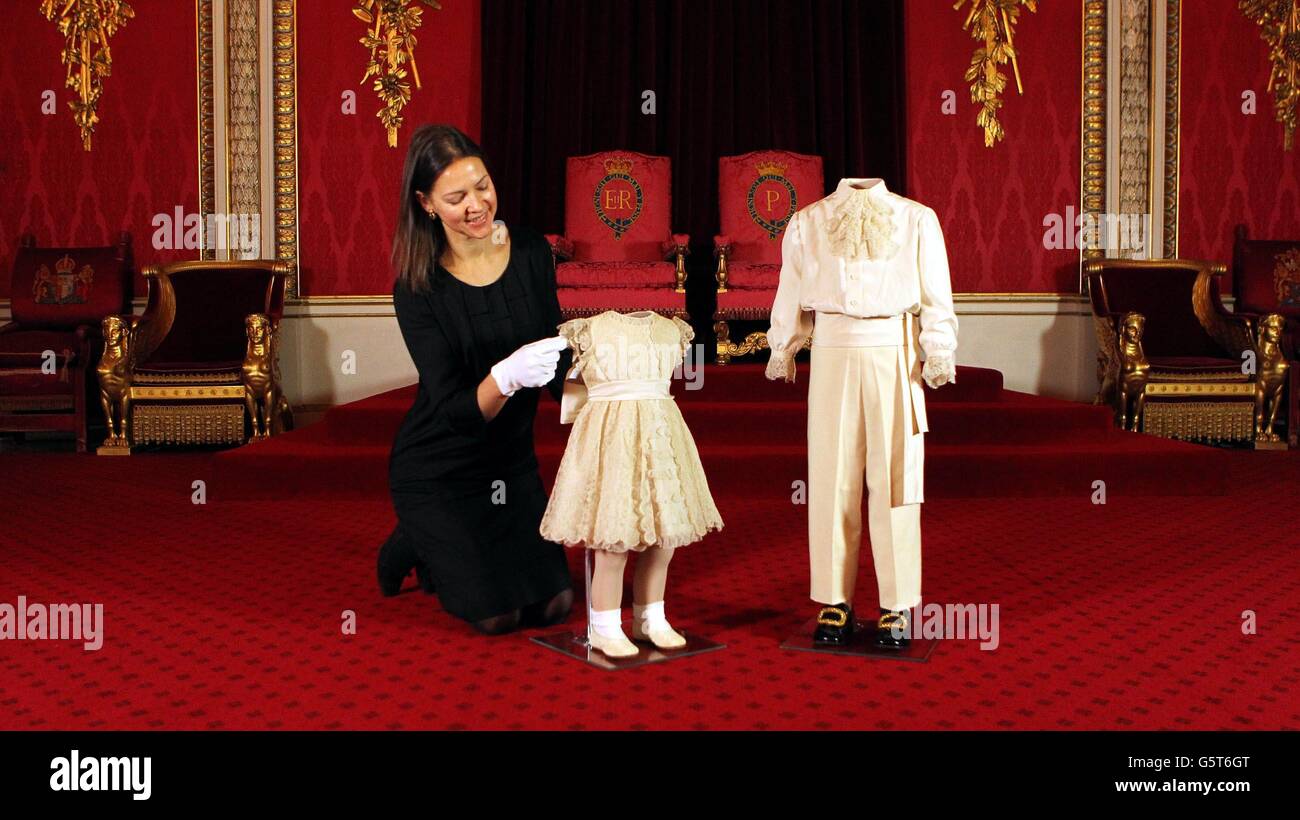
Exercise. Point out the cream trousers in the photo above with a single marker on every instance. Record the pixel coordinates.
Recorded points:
(866, 418)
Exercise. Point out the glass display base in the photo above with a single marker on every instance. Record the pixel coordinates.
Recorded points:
(574, 644)
(860, 644)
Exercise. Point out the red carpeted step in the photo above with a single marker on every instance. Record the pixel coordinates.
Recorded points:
(737, 422)
(751, 433)
(1130, 464)
(373, 419)
(734, 407)
(727, 422)
(746, 382)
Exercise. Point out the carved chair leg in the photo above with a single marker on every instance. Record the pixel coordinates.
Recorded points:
(80, 407)
(723, 332)
(283, 416)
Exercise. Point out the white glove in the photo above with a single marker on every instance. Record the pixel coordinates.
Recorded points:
(939, 370)
(532, 365)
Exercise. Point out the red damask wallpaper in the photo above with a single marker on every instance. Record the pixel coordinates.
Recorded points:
(348, 176)
(145, 156)
(1233, 167)
(991, 201)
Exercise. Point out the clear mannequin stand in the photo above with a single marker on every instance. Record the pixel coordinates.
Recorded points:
(577, 645)
(860, 644)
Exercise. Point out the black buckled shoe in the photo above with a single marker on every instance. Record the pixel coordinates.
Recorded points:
(834, 625)
(892, 630)
(395, 562)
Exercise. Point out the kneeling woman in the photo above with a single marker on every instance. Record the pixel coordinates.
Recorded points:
(478, 310)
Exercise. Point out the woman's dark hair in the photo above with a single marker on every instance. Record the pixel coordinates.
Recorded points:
(419, 240)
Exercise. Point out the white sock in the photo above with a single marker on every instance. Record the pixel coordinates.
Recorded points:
(651, 614)
(607, 623)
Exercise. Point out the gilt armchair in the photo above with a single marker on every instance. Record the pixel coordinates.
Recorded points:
(618, 251)
(1173, 361)
(758, 192)
(58, 297)
(201, 365)
(1266, 279)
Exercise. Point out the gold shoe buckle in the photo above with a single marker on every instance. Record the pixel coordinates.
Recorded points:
(831, 616)
(887, 622)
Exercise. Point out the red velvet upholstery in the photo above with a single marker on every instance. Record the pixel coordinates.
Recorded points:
(590, 301)
(1266, 274)
(613, 274)
(618, 206)
(754, 276)
(208, 331)
(26, 348)
(758, 192)
(58, 297)
(1162, 294)
(67, 287)
(745, 304)
(618, 247)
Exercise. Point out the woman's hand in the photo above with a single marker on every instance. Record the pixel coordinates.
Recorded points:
(532, 365)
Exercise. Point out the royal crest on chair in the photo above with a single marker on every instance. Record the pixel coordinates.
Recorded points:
(66, 286)
(618, 198)
(772, 199)
(758, 194)
(1286, 278)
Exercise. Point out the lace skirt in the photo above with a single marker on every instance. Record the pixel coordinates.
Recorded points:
(630, 478)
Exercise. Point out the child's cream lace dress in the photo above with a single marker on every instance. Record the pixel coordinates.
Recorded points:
(631, 476)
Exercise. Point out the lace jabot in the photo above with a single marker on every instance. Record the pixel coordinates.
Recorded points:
(862, 225)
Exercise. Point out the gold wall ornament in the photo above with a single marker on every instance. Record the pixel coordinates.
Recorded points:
(993, 22)
(86, 26)
(390, 36)
(1279, 22)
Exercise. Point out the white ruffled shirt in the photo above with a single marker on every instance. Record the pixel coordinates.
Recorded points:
(865, 252)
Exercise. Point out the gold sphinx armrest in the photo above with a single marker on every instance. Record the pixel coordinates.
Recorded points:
(268, 409)
(1234, 333)
(150, 328)
(116, 371)
(1271, 369)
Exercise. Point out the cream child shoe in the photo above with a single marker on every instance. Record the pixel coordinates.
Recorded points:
(606, 634)
(649, 624)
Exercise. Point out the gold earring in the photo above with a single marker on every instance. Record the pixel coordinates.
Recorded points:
(433, 216)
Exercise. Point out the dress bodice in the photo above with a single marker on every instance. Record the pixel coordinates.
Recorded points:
(626, 347)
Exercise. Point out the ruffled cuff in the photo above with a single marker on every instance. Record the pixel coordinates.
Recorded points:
(780, 366)
(940, 369)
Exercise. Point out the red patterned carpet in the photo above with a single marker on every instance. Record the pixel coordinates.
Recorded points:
(227, 615)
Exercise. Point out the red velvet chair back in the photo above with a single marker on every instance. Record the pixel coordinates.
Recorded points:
(1266, 274)
(63, 288)
(618, 206)
(1163, 295)
(212, 302)
(758, 192)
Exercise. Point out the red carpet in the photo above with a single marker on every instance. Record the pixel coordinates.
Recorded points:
(227, 615)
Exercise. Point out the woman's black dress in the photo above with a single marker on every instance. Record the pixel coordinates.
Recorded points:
(467, 492)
